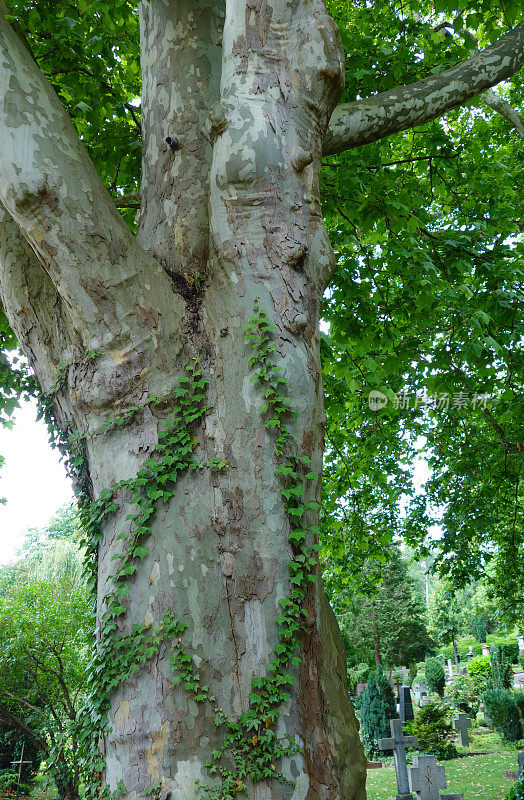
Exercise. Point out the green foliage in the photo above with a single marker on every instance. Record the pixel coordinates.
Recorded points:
(508, 645)
(435, 677)
(502, 674)
(391, 618)
(46, 635)
(357, 674)
(446, 613)
(465, 693)
(425, 301)
(517, 791)
(466, 690)
(480, 667)
(11, 742)
(377, 708)
(434, 731)
(502, 713)
(479, 629)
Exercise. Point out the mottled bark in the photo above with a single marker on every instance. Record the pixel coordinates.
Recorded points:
(494, 101)
(231, 215)
(181, 57)
(355, 124)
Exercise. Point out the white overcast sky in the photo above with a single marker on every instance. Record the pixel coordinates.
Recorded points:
(33, 480)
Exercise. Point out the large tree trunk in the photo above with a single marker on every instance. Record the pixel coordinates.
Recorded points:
(230, 219)
(219, 553)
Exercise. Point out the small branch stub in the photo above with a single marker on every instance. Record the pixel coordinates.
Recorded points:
(173, 143)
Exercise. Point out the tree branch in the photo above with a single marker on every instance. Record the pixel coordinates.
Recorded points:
(497, 103)
(31, 302)
(51, 189)
(14, 722)
(355, 124)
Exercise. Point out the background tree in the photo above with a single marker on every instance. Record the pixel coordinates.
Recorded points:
(51, 554)
(389, 623)
(109, 324)
(45, 630)
(446, 615)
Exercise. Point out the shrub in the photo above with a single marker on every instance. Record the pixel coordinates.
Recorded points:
(517, 791)
(508, 645)
(480, 667)
(378, 706)
(435, 676)
(434, 731)
(502, 713)
(463, 695)
(500, 669)
(519, 700)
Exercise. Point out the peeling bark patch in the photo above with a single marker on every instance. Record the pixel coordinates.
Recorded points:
(155, 751)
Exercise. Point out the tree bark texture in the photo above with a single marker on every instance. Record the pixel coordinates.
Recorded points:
(230, 216)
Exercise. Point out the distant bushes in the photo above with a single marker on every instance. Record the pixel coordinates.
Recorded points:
(507, 644)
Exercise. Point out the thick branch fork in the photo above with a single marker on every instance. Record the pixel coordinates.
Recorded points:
(403, 107)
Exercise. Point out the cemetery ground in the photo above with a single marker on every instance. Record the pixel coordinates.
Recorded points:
(476, 776)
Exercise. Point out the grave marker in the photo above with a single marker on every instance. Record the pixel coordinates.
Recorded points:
(426, 777)
(398, 743)
(406, 705)
(20, 764)
(461, 725)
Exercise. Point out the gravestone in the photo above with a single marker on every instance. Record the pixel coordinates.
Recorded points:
(426, 778)
(469, 655)
(360, 688)
(450, 669)
(398, 743)
(485, 650)
(461, 724)
(521, 645)
(516, 774)
(424, 700)
(406, 705)
(463, 670)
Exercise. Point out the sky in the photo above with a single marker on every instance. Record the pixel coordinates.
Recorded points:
(32, 479)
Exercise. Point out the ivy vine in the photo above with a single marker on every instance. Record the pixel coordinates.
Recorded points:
(251, 749)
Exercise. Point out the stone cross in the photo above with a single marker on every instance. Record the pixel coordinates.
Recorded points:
(20, 763)
(398, 743)
(461, 725)
(426, 778)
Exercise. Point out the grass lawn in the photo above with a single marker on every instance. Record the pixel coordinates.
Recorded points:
(475, 776)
